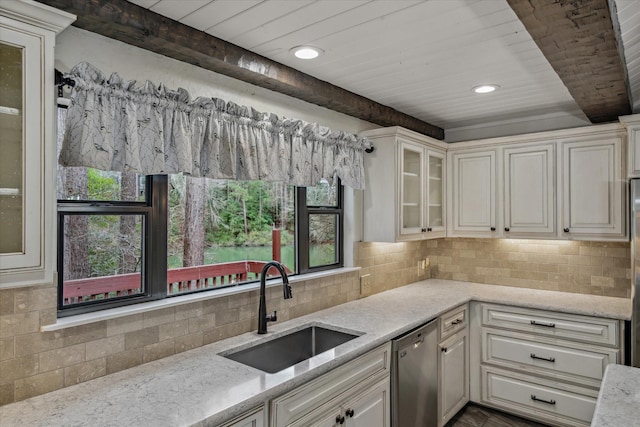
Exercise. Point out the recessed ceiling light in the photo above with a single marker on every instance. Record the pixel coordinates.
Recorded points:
(306, 52)
(485, 88)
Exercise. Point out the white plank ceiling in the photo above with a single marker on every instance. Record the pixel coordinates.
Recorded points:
(420, 57)
(629, 20)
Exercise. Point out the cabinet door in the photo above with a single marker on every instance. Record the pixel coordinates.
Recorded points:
(529, 196)
(255, 419)
(474, 193)
(412, 190)
(435, 193)
(592, 189)
(20, 174)
(454, 376)
(370, 409)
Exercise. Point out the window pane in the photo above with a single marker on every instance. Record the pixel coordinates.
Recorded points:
(323, 229)
(231, 227)
(102, 257)
(79, 183)
(323, 194)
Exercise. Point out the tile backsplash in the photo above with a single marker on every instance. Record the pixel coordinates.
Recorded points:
(34, 362)
(600, 268)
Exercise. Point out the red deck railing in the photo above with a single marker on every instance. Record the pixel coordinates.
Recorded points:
(179, 280)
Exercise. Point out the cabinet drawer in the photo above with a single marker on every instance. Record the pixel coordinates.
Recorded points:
(560, 325)
(453, 321)
(565, 360)
(535, 398)
(304, 399)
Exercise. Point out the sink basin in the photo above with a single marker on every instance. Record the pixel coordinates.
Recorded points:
(285, 351)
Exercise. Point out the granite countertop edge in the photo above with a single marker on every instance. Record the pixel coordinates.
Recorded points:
(380, 317)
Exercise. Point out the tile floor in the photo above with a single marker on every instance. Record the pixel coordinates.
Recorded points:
(478, 416)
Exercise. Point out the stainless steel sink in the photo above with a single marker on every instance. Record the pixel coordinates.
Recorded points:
(287, 350)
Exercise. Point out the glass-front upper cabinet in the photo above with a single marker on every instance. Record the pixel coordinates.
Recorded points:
(404, 198)
(27, 199)
(12, 143)
(436, 192)
(412, 188)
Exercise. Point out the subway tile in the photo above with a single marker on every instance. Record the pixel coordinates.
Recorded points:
(158, 351)
(158, 317)
(124, 360)
(7, 305)
(188, 342)
(85, 333)
(7, 393)
(85, 371)
(19, 323)
(35, 298)
(19, 367)
(171, 330)
(105, 347)
(59, 358)
(141, 338)
(38, 342)
(124, 324)
(7, 348)
(202, 323)
(186, 311)
(39, 384)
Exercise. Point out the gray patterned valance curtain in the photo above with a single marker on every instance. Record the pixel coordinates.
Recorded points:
(113, 124)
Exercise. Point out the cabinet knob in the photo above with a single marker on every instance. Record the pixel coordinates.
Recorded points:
(506, 229)
(339, 420)
(424, 230)
(444, 349)
(349, 412)
(429, 229)
(566, 230)
(493, 229)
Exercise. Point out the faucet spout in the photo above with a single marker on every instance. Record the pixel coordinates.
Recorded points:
(263, 317)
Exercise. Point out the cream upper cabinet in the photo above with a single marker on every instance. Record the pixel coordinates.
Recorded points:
(529, 190)
(473, 193)
(404, 197)
(593, 189)
(632, 123)
(27, 137)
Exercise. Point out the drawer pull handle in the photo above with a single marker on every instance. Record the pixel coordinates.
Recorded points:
(339, 419)
(350, 413)
(546, 359)
(457, 321)
(546, 325)
(537, 399)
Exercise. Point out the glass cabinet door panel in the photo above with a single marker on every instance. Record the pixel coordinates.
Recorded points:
(412, 198)
(12, 148)
(436, 191)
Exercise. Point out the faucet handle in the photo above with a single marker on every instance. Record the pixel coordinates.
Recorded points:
(272, 317)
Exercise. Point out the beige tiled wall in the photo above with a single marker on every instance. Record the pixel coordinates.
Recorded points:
(34, 362)
(601, 268)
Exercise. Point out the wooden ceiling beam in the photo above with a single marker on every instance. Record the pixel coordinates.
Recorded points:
(578, 40)
(137, 26)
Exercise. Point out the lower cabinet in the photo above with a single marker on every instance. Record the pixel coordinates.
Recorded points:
(453, 364)
(254, 418)
(367, 408)
(354, 394)
(539, 364)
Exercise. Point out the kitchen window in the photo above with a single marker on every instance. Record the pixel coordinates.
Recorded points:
(125, 238)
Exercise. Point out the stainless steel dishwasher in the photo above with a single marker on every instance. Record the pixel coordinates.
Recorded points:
(414, 378)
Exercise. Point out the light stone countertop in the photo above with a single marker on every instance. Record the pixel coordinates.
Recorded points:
(199, 387)
(619, 399)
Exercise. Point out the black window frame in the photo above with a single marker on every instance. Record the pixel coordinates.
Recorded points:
(155, 209)
(303, 212)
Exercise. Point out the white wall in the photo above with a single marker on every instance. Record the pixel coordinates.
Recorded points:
(74, 45)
